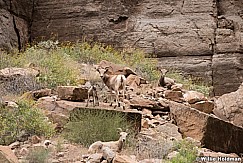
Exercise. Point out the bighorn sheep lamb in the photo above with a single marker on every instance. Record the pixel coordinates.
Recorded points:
(96, 147)
(115, 83)
(165, 81)
(92, 91)
(108, 154)
(116, 146)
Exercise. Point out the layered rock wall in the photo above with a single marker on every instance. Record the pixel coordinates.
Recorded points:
(15, 21)
(201, 37)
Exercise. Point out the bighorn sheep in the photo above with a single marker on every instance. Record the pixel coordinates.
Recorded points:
(115, 83)
(165, 81)
(108, 154)
(115, 146)
(96, 147)
(92, 91)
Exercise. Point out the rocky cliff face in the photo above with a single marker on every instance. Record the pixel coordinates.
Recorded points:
(15, 22)
(201, 37)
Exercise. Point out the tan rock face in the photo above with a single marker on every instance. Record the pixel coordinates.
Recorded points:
(230, 107)
(213, 133)
(192, 97)
(138, 102)
(174, 95)
(204, 106)
(72, 93)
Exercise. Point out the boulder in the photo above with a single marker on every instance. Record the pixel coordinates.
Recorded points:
(164, 103)
(212, 132)
(6, 155)
(10, 73)
(19, 80)
(58, 119)
(123, 159)
(47, 103)
(193, 96)
(230, 107)
(170, 130)
(72, 93)
(138, 102)
(177, 87)
(204, 106)
(174, 95)
(41, 93)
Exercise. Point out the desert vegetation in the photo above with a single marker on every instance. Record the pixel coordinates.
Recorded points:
(87, 127)
(23, 121)
(61, 64)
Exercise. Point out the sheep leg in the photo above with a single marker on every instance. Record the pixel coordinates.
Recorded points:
(97, 99)
(88, 100)
(93, 98)
(110, 99)
(117, 98)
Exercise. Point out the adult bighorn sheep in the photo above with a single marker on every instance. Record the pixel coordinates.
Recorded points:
(115, 146)
(165, 81)
(115, 83)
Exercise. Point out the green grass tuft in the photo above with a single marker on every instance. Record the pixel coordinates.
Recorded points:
(87, 126)
(187, 152)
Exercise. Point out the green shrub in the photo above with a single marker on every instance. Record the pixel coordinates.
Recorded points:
(88, 126)
(134, 58)
(5, 60)
(38, 155)
(26, 118)
(59, 63)
(187, 152)
(56, 67)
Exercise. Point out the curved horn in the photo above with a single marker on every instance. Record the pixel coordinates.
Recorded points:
(119, 129)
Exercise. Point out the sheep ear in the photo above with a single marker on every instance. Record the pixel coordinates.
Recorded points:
(163, 71)
(96, 67)
(119, 130)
